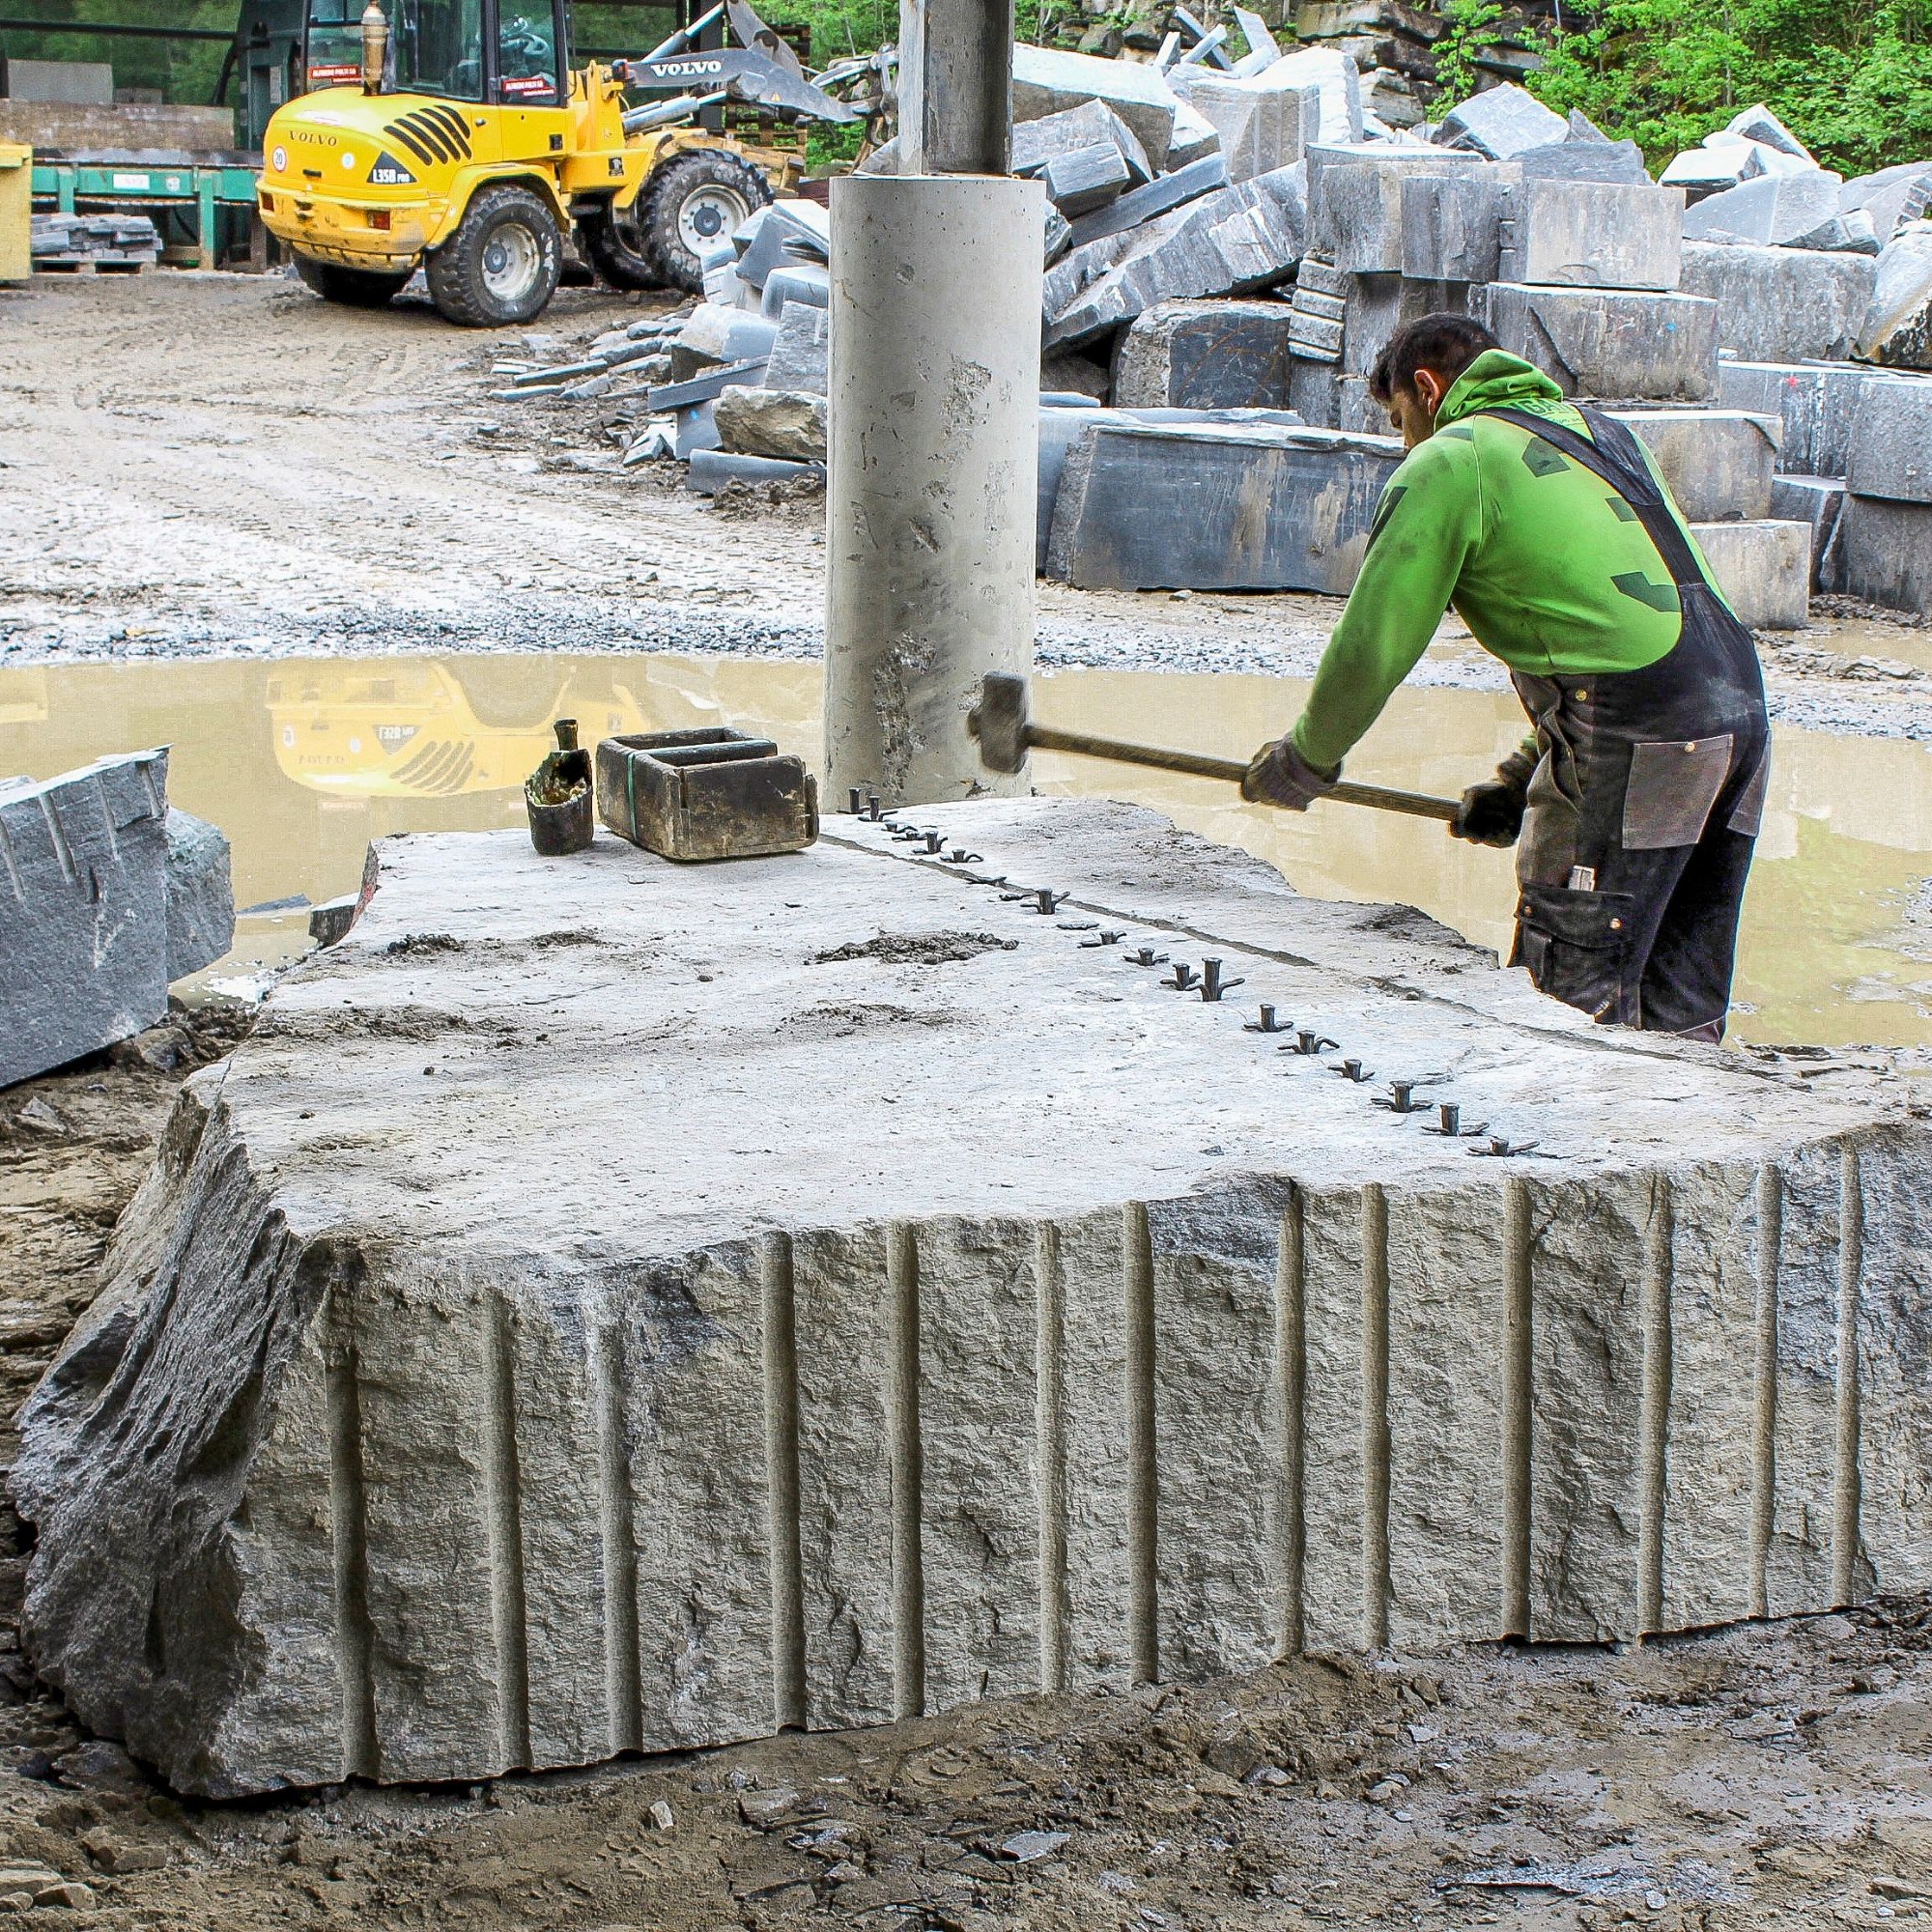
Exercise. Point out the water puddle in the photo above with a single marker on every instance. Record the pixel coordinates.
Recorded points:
(302, 762)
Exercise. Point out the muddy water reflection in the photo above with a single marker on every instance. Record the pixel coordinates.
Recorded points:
(303, 763)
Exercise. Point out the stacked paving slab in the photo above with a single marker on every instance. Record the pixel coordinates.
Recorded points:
(608, 1305)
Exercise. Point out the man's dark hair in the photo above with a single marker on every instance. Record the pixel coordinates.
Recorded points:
(1445, 343)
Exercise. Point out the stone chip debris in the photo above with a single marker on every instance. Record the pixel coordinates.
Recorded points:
(423, 1431)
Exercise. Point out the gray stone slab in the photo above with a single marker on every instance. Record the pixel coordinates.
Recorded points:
(1211, 508)
(1619, 162)
(1763, 568)
(1759, 124)
(802, 282)
(1451, 224)
(1721, 162)
(696, 429)
(1718, 462)
(1897, 328)
(1195, 138)
(1591, 235)
(1616, 343)
(1502, 123)
(83, 910)
(1049, 81)
(1892, 441)
(1261, 125)
(556, 1460)
(1818, 501)
(716, 337)
(1314, 391)
(781, 232)
(1038, 141)
(1235, 241)
(1085, 180)
(1355, 218)
(1337, 78)
(1770, 212)
(1157, 197)
(1817, 402)
(1204, 354)
(800, 357)
(710, 469)
(1890, 198)
(1885, 553)
(1780, 304)
(200, 895)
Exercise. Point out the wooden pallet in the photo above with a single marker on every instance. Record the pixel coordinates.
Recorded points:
(91, 265)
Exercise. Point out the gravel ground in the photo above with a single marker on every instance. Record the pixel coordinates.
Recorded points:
(220, 465)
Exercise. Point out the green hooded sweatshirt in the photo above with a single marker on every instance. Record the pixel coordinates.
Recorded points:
(1543, 561)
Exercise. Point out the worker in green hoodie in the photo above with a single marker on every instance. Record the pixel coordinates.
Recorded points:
(1637, 800)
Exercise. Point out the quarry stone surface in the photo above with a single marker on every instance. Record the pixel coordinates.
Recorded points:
(200, 895)
(1885, 553)
(1892, 441)
(1611, 342)
(1897, 327)
(1591, 235)
(84, 928)
(1203, 355)
(609, 1305)
(1763, 568)
(1781, 304)
(1718, 462)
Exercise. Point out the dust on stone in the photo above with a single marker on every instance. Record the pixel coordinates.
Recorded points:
(917, 948)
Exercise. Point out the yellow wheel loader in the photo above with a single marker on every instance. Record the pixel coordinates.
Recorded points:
(460, 142)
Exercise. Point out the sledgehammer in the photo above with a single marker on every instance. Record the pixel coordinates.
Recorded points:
(1006, 734)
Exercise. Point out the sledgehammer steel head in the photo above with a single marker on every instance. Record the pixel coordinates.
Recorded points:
(999, 720)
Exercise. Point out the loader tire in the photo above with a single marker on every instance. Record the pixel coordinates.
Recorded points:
(695, 202)
(618, 249)
(356, 288)
(501, 265)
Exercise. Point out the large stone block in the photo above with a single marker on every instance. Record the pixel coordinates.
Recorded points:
(1819, 503)
(1890, 198)
(1885, 553)
(1897, 328)
(1591, 235)
(200, 895)
(1718, 462)
(84, 929)
(1204, 356)
(784, 423)
(1355, 202)
(1242, 238)
(1763, 568)
(1452, 223)
(1780, 304)
(404, 1443)
(1157, 198)
(1613, 342)
(1817, 402)
(1262, 124)
(1502, 123)
(1620, 162)
(1047, 81)
(1217, 508)
(800, 357)
(1038, 142)
(1774, 212)
(1892, 441)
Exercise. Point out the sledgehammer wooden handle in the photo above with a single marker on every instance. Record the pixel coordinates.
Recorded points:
(1196, 764)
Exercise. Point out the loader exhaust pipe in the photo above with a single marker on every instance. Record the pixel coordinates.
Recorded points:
(375, 48)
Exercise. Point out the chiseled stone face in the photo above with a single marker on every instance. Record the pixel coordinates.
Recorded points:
(612, 1305)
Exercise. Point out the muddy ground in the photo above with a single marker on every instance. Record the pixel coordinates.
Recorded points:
(197, 465)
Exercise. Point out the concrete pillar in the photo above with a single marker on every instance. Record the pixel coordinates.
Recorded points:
(932, 468)
(955, 87)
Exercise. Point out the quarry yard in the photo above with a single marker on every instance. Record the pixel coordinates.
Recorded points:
(381, 502)
(359, 494)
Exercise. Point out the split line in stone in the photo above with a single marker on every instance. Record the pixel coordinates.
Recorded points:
(1050, 1396)
(907, 1474)
(1518, 1245)
(1143, 1474)
(622, 1663)
(1764, 1427)
(506, 1527)
(781, 1479)
(1654, 1408)
(1291, 1550)
(1845, 1487)
(1375, 1417)
(349, 1517)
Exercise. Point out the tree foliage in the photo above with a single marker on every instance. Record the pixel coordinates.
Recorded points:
(1852, 78)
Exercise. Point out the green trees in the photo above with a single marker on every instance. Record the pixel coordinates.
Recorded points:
(1852, 78)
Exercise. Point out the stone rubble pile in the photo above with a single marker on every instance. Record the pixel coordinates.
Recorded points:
(1239, 232)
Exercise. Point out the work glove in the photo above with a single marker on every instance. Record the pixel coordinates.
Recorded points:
(1279, 775)
(1491, 813)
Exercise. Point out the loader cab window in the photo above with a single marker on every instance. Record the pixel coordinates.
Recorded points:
(527, 67)
(438, 46)
(334, 55)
